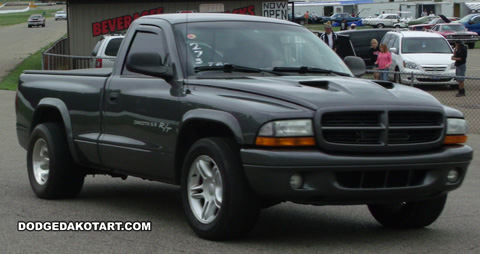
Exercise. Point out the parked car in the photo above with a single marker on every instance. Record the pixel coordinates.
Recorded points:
(456, 31)
(384, 20)
(432, 23)
(61, 15)
(242, 112)
(338, 17)
(421, 20)
(420, 52)
(106, 50)
(471, 22)
(299, 18)
(36, 20)
(357, 42)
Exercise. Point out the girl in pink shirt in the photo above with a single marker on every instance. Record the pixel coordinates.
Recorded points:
(384, 60)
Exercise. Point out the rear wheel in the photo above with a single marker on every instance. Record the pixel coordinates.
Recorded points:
(217, 200)
(409, 214)
(51, 170)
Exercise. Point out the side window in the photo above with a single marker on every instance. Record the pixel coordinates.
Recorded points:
(476, 19)
(146, 42)
(396, 43)
(113, 46)
(361, 39)
(391, 41)
(386, 38)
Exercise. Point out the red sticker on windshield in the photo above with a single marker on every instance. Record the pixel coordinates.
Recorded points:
(191, 36)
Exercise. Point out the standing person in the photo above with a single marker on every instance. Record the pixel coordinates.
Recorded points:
(384, 60)
(306, 16)
(373, 54)
(329, 37)
(314, 18)
(343, 25)
(424, 13)
(460, 57)
(431, 14)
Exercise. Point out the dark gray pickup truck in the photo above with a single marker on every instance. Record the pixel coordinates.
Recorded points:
(243, 113)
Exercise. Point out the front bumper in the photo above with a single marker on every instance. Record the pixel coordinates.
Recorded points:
(269, 172)
(430, 79)
(465, 41)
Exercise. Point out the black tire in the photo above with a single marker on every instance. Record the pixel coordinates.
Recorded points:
(64, 179)
(302, 22)
(239, 209)
(471, 45)
(43, 25)
(29, 26)
(380, 25)
(409, 214)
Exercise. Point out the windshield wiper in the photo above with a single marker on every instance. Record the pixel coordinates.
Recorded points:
(307, 69)
(238, 68)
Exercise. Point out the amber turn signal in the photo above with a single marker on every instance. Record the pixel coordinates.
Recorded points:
(268, 141)
(450, 140)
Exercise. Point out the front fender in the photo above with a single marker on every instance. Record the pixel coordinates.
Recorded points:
(217, 116)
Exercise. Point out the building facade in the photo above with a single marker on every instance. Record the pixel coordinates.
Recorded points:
(89, 20)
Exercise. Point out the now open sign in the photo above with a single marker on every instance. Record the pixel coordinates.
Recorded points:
(278, 10)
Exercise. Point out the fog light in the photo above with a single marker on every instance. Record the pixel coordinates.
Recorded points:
(296, 181)
(453, 175)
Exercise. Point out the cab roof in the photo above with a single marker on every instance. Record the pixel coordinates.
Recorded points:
(178, 18)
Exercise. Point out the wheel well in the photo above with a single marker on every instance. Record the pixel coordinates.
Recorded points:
(190, 133)
(46, 115)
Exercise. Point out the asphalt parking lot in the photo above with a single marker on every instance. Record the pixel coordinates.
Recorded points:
(286, 228)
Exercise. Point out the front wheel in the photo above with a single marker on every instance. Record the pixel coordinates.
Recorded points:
(51, 170)
(471, 45)
(409, 214)
(380, 25)
(216, 197)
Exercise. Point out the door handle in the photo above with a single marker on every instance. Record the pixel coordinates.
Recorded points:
(113, 98)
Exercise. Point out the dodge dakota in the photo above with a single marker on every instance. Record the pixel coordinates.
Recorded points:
(243, 113)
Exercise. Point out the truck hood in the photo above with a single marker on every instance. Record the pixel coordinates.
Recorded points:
(429, 59)
(317, 92)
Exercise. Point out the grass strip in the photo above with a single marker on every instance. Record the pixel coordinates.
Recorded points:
(33, 62)
(9, 19)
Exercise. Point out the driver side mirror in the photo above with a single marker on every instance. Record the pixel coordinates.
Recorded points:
(148, 63)
(470, 22)
(393, 50)
(356, 65)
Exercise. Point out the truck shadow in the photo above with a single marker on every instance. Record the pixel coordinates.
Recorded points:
(281, 225)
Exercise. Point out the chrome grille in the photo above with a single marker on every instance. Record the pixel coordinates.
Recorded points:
(379, 131)
(434, 68)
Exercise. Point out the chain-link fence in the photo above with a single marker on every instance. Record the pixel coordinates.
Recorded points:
(445, 89)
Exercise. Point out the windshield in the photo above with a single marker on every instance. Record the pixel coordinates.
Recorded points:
(60, 12)
(466, 18)
(255, 45)
(455, 28)
(425, 45)
(382, 16)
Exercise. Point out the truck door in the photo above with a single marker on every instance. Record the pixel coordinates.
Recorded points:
(140, 115)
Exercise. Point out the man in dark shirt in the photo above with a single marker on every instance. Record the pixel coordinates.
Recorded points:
(460, 57)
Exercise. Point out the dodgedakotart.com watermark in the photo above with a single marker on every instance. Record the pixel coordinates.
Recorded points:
(84, 226)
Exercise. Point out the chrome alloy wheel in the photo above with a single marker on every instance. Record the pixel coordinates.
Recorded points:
(205, 189)
(41, 161)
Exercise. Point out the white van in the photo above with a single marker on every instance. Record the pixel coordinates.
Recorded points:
(420, 53)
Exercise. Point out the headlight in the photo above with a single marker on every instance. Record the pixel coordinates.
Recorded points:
(410, 65)
(456, 131)
(286, 133)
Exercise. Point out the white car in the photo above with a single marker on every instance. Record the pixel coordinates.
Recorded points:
(106, 50)
(384, 20)
(61, 15)
(420, 53)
